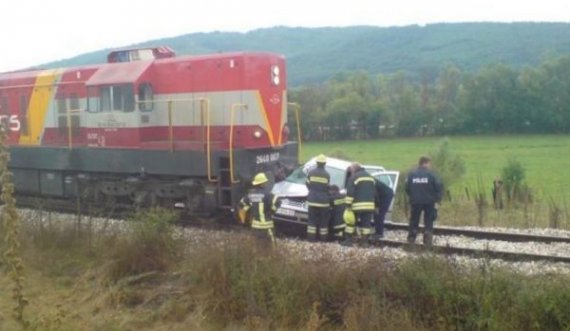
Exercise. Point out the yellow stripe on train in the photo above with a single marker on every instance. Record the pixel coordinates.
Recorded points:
(42, 96)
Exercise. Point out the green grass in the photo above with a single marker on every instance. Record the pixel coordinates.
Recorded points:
(546, 157)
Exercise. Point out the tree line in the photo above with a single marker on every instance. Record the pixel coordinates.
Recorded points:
(495, 99)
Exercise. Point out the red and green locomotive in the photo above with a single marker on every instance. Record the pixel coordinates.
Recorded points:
(148, 127)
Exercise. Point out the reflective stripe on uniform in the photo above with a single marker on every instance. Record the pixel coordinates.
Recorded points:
(349, 200)
(274, 203)
(312, 229)
(340, 226)
(349, 229)
(364, 179)
(261, 211)
(364, 231)
(255, 224)
(363, 206)
(339, 201)
(324, 232)
(272, 236)
(317, 179)
(262, 223)
(316, 204)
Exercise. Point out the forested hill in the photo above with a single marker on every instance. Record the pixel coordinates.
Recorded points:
(316, 54)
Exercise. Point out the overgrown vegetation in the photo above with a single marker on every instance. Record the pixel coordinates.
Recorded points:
(513, 176)
(10, 249)
(150, 245)
(448, 164)
(227, 282)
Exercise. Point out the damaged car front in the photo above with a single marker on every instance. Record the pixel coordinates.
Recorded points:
(292, 214)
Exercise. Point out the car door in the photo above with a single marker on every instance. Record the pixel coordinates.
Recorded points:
(389, 178)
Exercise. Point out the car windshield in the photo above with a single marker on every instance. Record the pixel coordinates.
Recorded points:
(299, 176)
(387, 179)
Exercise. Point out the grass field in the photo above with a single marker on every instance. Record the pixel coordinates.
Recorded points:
(545, 157)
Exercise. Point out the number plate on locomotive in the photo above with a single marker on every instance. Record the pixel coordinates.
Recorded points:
(267, 158)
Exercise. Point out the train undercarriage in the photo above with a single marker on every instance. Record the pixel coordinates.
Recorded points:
(145, 178)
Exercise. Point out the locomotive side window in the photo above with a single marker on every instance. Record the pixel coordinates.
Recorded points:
(117, 98)
(61, 104)
(93, 101)
(74, 102)
(145, 97)
(24, 114)
(105, 95)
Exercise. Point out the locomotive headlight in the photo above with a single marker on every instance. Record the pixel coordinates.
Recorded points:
(257, 134)
(276, 80)
(275, 75)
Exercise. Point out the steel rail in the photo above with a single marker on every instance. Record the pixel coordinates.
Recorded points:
(476, 253)
(483, 234)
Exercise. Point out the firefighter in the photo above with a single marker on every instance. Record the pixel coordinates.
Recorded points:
(318, 200)
(360, 196)
(384, 197)
(425, 192)
(337, 212)
(259, 202)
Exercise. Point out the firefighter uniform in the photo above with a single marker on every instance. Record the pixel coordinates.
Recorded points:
(318, 201)
(424, 190)
(259, 203)
(360, 198)
(338, 204)
(384, 197)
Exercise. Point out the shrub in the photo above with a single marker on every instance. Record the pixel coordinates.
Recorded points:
(513, 175)
(11, 248)
(448, 165)
(148, 245)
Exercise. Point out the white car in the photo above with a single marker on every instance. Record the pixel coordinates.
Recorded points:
(293, 192)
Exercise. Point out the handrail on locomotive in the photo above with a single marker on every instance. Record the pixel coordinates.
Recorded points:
(204, 107)
(297, 108)
(203, 101)
(235, 106)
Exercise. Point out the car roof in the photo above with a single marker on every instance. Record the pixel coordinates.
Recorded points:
(343, 164)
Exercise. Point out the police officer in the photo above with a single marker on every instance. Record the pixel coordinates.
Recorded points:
(425, 192)
(259, 202)
(384, 197)
(337, 211)
(317, 182)
(360, 196)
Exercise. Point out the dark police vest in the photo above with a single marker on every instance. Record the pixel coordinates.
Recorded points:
(423, 187)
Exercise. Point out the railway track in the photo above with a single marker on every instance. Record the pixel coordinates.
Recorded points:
(487, 235)
(72, 207)
(476, 253)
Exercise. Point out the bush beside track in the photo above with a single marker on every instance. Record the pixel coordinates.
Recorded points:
(84, 276)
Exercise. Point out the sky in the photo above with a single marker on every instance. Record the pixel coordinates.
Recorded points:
(33, 32)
